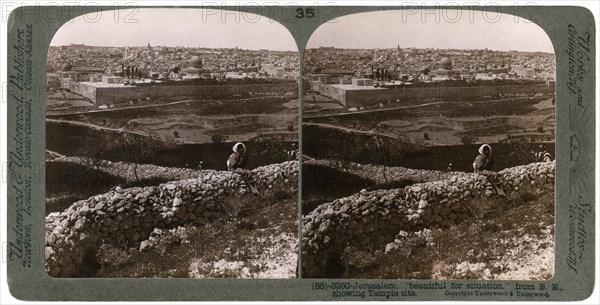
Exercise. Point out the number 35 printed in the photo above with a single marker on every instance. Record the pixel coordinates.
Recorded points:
(305, 12)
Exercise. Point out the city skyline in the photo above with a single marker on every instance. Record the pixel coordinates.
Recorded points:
(455, 29)
(175, 27)
(372, 30)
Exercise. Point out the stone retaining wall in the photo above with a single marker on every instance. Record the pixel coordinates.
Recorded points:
(373, 218)
(108, 95)
(128, 216)
(362, 96)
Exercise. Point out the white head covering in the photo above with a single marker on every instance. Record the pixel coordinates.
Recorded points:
(239, 148)
(489, 148)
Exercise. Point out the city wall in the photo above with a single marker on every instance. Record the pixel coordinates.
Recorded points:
(84, 90)
(374, 218)
(366, 97)
(128, 216)
(111, 95)
(335, 93)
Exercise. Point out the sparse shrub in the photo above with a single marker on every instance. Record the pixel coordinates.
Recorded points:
(540, 129)
(483, 207)
(386, 151)
(525, 197)
(426, 136)
(356, 258)
(290, 127)
(218, 138)
(94, 151)
(110, 254)
(139, 149)
(273, 147)
(175, 133)
(466, 140)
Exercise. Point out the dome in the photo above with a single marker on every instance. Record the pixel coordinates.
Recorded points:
(315, 69)
(446, 63)
(66, 67)
(196, 61)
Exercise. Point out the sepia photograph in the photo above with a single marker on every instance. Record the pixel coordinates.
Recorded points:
(172, 146)
(428, 146)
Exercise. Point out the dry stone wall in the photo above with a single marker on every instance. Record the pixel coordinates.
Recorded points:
(373, 218)
(128, 216)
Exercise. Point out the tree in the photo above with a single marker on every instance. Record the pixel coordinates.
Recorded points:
(386, 151)
(466, 140)
(216, 138)
(345, 152)
(95, 150)
(273, 147)
(140, 149)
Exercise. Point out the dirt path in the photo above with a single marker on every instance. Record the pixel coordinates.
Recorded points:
(349, 130)
(374, 110)
(96, 127)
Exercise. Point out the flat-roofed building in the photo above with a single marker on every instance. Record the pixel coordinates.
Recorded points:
(112, 79)
(359, 82)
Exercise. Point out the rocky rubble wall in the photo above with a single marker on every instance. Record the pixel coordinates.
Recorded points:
(373, 218)
(128, 216)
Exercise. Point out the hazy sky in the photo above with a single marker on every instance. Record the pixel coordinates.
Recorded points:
(454, 29)
(176, 27)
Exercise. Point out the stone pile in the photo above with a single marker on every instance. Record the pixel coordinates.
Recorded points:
(128, 216)
(374, 218)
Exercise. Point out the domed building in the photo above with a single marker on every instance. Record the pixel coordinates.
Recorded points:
(195, 69)
(444, 70)
(445, 64)
(196, 62)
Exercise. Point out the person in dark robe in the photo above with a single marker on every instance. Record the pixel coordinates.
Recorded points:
(238, 158)
(237, 162)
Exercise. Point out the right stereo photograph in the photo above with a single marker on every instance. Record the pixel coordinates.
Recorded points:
(428, 147)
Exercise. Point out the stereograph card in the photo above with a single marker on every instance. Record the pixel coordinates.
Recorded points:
(301, 153)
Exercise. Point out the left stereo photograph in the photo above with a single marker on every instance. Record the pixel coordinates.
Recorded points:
(172, 146)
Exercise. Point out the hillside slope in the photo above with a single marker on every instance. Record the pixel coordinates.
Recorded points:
(102, 235)
(349, 234)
